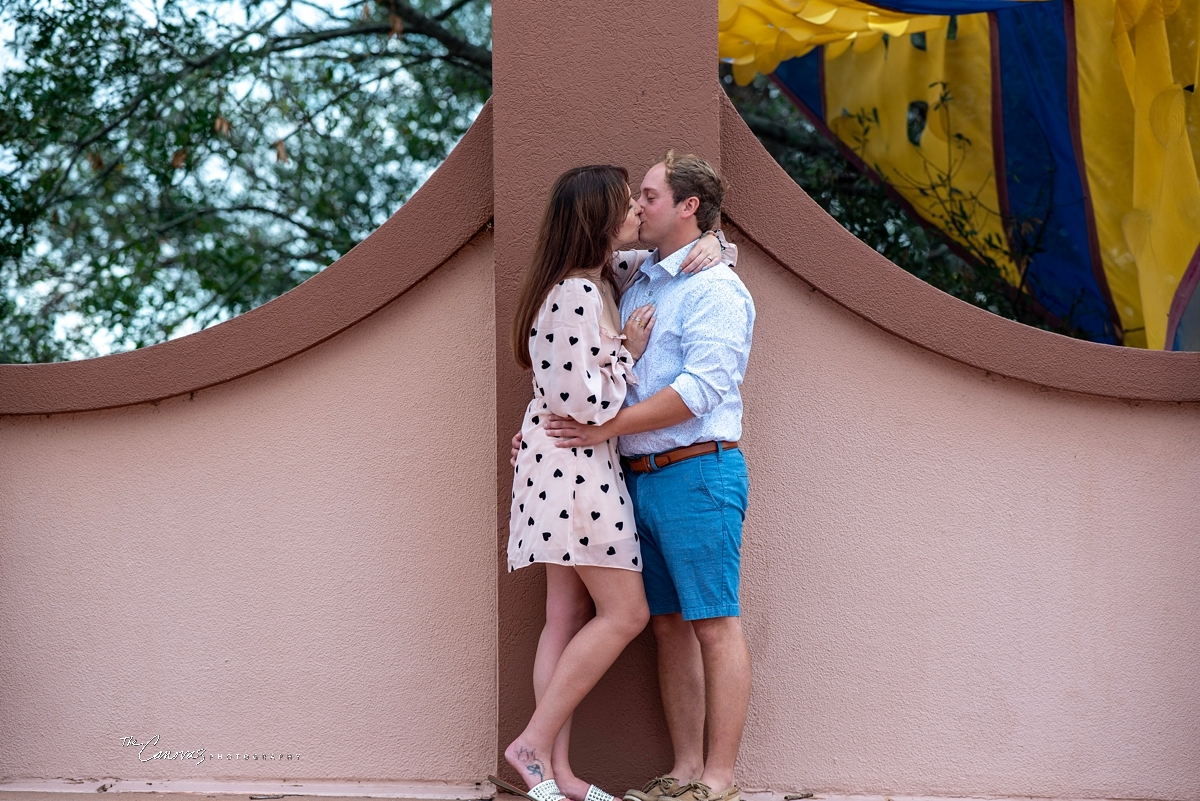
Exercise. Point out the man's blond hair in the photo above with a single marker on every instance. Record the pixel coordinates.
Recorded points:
(691, 176)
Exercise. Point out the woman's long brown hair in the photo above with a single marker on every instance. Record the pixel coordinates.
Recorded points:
(586, 208)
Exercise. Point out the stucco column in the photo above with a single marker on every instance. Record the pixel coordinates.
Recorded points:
(579, 82)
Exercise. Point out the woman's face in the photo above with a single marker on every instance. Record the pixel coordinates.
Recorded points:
(627, 233)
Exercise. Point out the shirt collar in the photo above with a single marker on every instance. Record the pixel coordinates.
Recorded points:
(671, 264)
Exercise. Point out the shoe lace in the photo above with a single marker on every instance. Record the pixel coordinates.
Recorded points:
(700, 790)
(664, 782)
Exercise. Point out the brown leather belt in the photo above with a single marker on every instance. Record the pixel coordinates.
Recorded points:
(643, 464)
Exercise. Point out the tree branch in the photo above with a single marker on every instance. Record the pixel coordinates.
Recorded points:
(448, 12)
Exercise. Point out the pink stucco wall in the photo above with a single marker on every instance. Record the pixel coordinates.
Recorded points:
(268, 565)
(959, 584)
(955, 583)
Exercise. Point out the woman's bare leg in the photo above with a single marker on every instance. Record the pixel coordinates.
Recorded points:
(621, 614)
(568, 609)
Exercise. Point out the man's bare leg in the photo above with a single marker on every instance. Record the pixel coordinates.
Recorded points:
(727, 673)
(681, 681)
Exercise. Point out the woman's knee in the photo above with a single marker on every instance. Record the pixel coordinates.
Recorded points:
(635, 617)
(568, 613)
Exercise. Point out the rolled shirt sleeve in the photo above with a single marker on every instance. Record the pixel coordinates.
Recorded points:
(716, 337)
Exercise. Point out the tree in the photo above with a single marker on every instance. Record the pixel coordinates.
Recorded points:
(167, 167)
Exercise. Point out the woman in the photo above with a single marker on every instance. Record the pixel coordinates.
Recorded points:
(570, 508)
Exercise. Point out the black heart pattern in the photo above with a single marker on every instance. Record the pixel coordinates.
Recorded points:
(546, 536)
(578, 479)
(564, 395)
(587, 287)
(533, 332)
(579, 311)
(563, 514)
(554, 308)
(621, 525)
(611, 551)
(587, 452)
(550, 337)
(572, 340)
(558, 474)
(595, 515)
(567, 366)
(545, 364)
(542, 495)
(595, 351)
(604, 488)
(583, 541)
(591, 399)
(538, 457)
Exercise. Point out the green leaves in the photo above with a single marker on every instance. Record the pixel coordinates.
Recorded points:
(159, 174)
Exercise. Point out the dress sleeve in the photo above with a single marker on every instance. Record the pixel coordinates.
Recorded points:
(580, 372)
(730, 251)
(625, 264)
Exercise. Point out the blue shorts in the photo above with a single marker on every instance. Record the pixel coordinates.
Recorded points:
(689, 520)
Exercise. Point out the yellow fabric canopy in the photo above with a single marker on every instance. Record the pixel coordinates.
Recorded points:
(1135, 64)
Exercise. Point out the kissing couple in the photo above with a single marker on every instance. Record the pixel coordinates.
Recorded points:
(628, 482)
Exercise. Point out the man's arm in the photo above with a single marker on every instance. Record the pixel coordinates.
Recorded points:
(714, 336)
(661, 410)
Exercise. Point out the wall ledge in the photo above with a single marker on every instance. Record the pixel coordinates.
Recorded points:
(45, 789)
(777, 215)
(453, 205)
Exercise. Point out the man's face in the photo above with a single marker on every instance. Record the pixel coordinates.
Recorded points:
(657, 210)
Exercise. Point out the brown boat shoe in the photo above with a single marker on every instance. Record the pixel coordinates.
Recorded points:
(658, 788)
(699, 791)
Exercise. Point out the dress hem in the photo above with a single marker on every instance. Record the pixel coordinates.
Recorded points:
(513, 568)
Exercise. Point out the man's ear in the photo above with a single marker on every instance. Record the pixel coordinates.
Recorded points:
(687, 208)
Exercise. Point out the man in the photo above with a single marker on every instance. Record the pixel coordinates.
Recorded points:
(687, 478)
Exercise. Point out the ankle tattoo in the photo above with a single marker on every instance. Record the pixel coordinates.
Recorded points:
(534, 766)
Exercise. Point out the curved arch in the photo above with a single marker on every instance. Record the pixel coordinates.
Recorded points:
(772, 210)
(444, 214)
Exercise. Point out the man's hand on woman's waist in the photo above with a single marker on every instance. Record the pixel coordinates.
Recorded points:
(662, 410)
